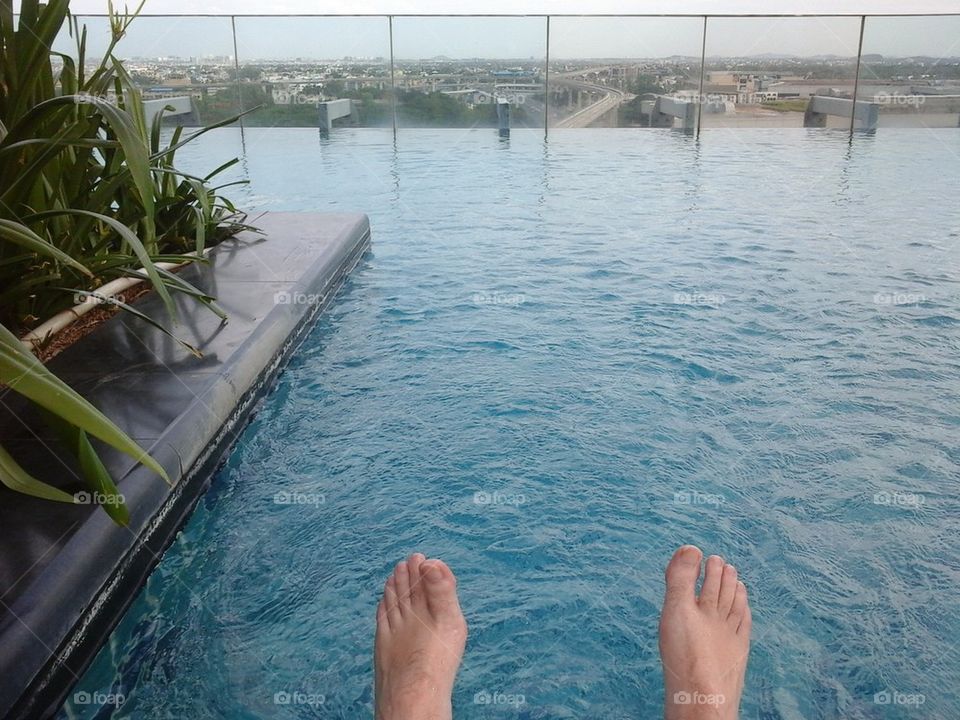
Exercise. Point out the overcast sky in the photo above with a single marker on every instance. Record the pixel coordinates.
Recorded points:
(524, 37)
(535, 7)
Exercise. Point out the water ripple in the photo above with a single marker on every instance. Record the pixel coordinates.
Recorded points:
(555, 366)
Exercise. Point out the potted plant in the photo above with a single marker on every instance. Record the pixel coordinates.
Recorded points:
(89, 198)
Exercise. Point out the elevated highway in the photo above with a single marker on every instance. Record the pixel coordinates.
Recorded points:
(608, 101)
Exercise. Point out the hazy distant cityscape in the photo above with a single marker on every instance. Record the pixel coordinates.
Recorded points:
(603, 72)
(764, 90)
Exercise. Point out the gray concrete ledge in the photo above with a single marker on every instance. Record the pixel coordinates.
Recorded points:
(67, 572)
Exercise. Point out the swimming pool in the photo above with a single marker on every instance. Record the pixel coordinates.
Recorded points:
(560, 361)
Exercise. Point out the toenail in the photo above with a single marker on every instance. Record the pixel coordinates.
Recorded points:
(688, 552)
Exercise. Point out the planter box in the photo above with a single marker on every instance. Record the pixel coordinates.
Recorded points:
(67, 572)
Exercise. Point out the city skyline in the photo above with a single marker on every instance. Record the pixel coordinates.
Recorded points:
(461, 38)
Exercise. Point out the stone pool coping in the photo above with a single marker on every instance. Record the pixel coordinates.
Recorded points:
(67, 572)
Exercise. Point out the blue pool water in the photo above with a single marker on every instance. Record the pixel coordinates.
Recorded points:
(558, 362)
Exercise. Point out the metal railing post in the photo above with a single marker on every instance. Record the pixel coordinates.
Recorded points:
(236, 66)
(546, 86)
(703, 71)
(856, 77)
(393, 81)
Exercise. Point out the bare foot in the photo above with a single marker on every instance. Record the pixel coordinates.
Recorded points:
(421, 634)
(704, 642)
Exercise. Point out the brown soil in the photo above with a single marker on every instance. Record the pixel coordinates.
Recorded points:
(87, 324)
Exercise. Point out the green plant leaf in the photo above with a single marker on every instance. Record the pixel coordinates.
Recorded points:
(24, 374)
(97, 475)
(136, 313)
(118, 122)
(18, 479)
(94, 472)
(25, 237)
(138, 249)
(87, 194)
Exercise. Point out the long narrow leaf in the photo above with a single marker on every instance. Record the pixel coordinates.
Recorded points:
(24, 374)
(135, 154)
(203, 131)
(98, 476)
(138, 249)
(18, 479)
(94, 473)
(136, 313)
(25, 237)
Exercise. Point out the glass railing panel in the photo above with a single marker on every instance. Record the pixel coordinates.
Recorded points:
(910, 71)
(454, 71)
(315, 71)
(185, 61)
(624, 71)
(766, 72)
(604, 72)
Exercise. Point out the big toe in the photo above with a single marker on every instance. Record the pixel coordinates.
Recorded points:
(682, 573)
(440, 588)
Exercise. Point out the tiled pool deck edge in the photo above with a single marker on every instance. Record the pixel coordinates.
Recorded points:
(67, 601)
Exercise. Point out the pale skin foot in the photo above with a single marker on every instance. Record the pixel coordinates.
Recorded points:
(420, 638)
(705, 640)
